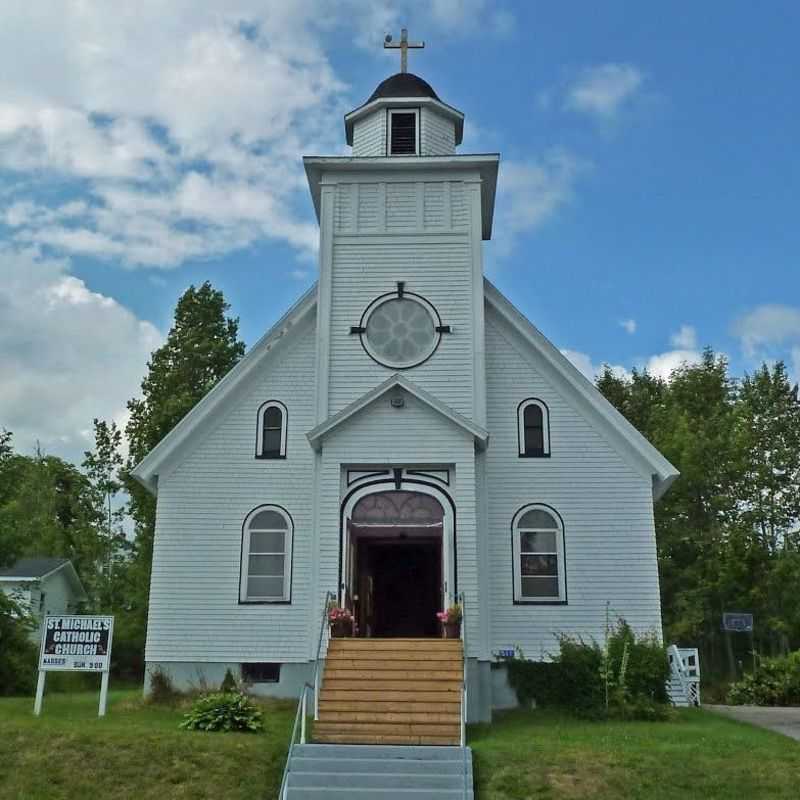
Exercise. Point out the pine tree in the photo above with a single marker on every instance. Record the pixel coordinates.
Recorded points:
(201, 348)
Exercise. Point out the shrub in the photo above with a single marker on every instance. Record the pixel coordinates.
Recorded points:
(18, 654)
(223, 711)
(229, 683)
(161, 691)
(776, 682)
(626, 680)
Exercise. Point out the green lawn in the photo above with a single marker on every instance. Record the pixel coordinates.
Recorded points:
(699, 755)
(138, 751)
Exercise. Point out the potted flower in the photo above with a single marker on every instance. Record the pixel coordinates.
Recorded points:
(451, 621)
(340, 621)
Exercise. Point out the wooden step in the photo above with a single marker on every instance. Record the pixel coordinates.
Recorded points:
(381, 706)
(356, 738)
(395, 644)
(450, 693)
(389, 674)
(389, 728)
(405, 717)
(405, 656)
(409, 687)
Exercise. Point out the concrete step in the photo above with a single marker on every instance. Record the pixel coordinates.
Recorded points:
(382, 752)
(394, 766)
(379, 772)
(307, 793)
(379, 780)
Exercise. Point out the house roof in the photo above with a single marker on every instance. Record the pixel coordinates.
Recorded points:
(39, 568)
(561, 369)
(32, 568)
(397, 380)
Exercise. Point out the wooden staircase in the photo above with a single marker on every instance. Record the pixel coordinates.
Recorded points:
(391, 691)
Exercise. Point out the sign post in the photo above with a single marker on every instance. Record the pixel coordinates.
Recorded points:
(72, 643)
(738, 622)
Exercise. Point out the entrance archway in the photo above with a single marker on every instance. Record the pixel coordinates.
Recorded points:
(397, 558)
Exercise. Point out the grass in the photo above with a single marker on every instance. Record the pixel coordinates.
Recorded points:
(138, 751)
(543, 755)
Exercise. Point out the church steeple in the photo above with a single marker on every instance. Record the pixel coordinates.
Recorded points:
(404, 116)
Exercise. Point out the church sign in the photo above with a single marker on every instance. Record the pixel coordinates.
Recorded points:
(76, 644)
(73, 643)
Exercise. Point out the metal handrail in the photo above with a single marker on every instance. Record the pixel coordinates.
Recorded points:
(302, 704)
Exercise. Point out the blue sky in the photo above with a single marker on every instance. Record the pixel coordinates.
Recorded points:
(647, 202)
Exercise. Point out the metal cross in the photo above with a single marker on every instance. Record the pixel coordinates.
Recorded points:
(403, 46)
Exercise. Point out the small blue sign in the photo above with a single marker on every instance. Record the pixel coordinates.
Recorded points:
(737, 622)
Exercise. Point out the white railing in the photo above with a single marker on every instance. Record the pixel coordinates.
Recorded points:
(685, 669)
(301, 715)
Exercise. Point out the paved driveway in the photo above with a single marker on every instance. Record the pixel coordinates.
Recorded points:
(781, 720)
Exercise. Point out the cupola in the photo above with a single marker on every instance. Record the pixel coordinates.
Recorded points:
(404, 117)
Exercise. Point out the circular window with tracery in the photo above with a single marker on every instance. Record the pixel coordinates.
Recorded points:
(400, 330)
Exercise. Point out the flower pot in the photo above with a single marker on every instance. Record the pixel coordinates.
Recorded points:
(341, 629)
(451, 630)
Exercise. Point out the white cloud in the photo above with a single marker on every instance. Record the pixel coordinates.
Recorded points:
(68, 355)
(179, 126)
(767, 325)
(663, 364)
(530, 192)
(629, 325)
(685, 338)
(591, 370)
(603, 90)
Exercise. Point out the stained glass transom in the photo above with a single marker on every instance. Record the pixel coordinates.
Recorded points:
(400, 508)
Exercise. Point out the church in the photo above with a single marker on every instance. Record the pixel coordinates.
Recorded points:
(402, 439)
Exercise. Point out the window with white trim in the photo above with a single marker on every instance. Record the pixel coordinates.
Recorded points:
(266, 556)
(403, 131)
(533, 421)
(271, 434)
(539, 570)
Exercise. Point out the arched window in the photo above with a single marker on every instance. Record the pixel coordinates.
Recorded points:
(538, 546)
(271, 436)
(533, 420)
(266, 556)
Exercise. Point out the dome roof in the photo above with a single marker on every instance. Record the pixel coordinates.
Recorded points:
(403, 84)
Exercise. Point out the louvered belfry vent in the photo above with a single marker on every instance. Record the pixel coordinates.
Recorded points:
(404, 134)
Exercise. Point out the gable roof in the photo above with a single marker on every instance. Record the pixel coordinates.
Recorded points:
(39, 568)
(147, 470)
(316, 435)
(614, 424)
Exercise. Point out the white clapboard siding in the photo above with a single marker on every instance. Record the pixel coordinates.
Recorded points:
(437, 134)
(413, 435)
(194, 610)
(606, 505)
(369, 135)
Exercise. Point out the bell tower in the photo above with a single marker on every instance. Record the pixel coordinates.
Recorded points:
(402, 222)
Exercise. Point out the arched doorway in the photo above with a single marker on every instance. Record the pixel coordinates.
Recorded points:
(396, 559)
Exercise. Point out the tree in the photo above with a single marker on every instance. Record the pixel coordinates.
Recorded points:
(201, 347)
(102, 466)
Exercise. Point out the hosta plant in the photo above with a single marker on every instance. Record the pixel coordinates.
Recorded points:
(223, 711)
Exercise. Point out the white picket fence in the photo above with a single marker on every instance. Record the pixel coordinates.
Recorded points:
(684, 678)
